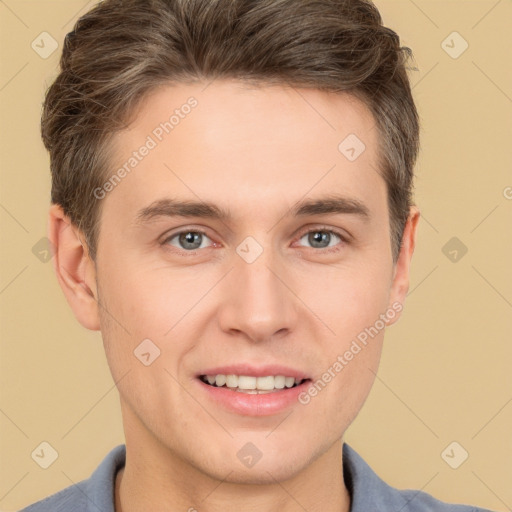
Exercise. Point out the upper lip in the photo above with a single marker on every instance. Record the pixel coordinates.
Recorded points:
(255, 371)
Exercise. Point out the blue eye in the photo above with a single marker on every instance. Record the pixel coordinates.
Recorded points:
(325, 240)
(188, 240)
(321, 238)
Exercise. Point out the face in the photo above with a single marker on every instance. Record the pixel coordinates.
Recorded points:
(284, 265)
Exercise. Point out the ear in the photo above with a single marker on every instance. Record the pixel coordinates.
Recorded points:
(400, 284)
(75, 270)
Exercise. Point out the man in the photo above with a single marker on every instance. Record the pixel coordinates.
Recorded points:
(231, 189)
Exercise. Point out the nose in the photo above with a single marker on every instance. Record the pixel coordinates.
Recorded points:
(258, 300)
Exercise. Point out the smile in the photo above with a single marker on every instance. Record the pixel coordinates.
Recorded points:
(252, 385)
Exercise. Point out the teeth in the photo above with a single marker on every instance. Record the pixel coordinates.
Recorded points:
(231, 381)
(279, 381)
(220, 380)
(245, 382)
(250, 384)
(266, 383)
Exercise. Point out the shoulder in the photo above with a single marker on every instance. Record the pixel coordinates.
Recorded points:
(369, 492)
(97, 492)
(70, 498)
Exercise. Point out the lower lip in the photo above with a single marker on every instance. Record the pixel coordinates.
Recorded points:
(254, 404)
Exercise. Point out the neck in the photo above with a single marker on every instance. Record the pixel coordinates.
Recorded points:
(157, 478)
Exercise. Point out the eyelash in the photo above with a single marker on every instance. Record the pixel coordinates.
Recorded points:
(323, 229)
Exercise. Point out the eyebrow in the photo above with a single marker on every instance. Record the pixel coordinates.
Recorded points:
(331, 204)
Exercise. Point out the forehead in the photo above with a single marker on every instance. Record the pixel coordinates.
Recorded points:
(234, 110)
(246, 145)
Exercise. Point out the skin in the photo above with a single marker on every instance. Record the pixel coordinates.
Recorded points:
(255, 152)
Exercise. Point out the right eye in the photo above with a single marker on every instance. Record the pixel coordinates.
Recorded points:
(187, 240)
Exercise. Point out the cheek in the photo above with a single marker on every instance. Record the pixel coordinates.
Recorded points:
(156, 303)
(340, 391)
(347, 299)
(151, 298)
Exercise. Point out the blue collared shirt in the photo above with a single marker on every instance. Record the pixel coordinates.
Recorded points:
(368, 492)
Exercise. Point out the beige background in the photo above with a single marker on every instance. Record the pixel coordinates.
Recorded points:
(445, 373)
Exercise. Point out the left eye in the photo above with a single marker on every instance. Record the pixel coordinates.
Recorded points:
(321, 239)
(189, 240)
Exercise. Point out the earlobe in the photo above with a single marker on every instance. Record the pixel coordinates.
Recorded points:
(400, 284)
(74, 268)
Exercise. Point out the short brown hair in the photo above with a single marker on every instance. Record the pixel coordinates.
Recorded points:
(122, 49)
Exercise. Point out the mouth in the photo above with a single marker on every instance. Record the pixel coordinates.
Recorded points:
(253, 385)
(247, 390)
